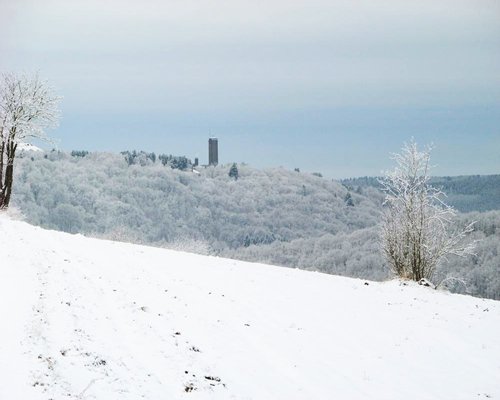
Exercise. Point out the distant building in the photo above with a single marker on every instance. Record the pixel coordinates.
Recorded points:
(213, 151)
(195, 162)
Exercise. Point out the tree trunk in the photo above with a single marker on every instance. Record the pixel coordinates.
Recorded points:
(6, 189)
(2, 150)
(2, 184)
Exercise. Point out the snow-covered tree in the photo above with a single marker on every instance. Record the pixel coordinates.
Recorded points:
(348, 200)
(27, 107)
(233, 172)
(416, 235)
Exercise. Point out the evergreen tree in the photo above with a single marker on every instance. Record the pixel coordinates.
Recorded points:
(233, 172)
(348, 200)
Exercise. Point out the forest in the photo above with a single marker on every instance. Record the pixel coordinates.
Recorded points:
(465, 193)
(278, 216)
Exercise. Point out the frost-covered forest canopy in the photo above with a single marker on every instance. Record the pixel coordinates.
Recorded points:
(465, 193)
(275, 215)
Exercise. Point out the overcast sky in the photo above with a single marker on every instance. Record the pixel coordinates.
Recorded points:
(329, 86)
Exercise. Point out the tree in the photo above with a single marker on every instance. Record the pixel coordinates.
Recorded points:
(416, 235)
(27, 107)
(233, 172)
(348, 200)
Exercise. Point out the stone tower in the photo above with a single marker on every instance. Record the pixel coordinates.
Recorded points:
(213, 151)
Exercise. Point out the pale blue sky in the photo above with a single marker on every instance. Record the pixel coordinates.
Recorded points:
(330, 86)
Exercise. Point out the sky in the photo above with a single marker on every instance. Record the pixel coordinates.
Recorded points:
(325, 86)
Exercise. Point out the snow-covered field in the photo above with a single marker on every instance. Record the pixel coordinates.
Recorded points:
(92, 319)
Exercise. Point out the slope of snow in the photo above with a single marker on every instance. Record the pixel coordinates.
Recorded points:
(92, 319)
(28, 147)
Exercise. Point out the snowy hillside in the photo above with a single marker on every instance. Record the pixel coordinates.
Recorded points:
(28, 147)
(90, 319)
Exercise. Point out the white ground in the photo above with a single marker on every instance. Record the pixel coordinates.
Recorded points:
(91, 319)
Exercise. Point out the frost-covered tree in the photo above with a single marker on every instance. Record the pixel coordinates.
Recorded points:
(416, 234)
(27, 107)
(233, 172)
(348, 200)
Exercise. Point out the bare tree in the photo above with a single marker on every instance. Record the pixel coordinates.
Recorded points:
(416, 234)
(27, 107)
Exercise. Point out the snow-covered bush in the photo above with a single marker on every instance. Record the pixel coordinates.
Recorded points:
(416, 235)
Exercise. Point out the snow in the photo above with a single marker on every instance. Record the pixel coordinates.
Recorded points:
(28, 147)
(92, 319)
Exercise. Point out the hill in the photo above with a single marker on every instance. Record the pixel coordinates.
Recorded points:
(465, 193)
(101, 193)
(275, 216)
(97, 319)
